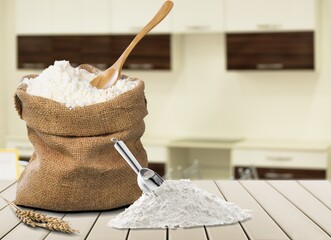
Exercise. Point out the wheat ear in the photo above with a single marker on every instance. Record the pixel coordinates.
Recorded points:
(34, 219)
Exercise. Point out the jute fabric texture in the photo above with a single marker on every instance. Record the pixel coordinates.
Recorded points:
(74, 166)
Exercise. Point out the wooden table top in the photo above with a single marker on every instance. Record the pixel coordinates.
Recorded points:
(281, 210)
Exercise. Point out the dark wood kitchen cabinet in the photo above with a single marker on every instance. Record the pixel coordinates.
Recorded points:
(270, 51)
(278, 173)
(38, 52)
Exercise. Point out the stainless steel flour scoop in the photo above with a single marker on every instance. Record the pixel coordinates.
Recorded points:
(148, 180)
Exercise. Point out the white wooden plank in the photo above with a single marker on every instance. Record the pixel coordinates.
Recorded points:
(187, 233)
(102, 231)
(147, 234)
(81, 221)
(9, 194)
(230, 231)
(306, 202)
(5, 183)
(25, 232)
(8, 218)
(321, 189)
(8, 221)
(295, 223)
(233, 231)
(261, 226)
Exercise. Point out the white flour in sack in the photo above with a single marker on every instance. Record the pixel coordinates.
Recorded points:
(71, 86)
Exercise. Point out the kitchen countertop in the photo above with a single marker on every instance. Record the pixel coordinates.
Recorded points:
(217, 143)
(281, 210)
(222, 143)
(284, 145)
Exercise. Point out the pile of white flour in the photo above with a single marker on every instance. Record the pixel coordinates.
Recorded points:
(179, 204)
(70, 86)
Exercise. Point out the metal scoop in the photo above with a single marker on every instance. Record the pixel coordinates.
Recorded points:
(147, 179)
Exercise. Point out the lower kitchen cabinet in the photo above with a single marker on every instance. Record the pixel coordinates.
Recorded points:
(245, 172)
(157, 156)
(226, 158)
(158, 168)
(200, 158)
(265, 160)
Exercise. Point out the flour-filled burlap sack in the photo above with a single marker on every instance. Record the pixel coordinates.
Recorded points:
(75, 166)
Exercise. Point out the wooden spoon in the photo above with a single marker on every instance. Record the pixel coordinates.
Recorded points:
(111, 75)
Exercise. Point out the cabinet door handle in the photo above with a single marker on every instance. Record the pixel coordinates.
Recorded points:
(34, 65)
(144, 66)
(269, 66)
(265, 26)
(197, 27)
(273, 175)
(279, 158)
(136, 28)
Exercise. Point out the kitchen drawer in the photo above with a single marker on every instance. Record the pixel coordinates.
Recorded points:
(280, 159)
(281, 173)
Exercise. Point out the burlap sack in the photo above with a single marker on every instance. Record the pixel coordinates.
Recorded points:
(74, 166)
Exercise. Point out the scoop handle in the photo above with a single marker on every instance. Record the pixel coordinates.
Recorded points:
(127, 155)
(159, 16)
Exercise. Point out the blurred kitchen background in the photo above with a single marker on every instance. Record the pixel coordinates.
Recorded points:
(235, 89)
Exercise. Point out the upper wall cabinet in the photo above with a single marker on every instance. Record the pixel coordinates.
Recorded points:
(270, 15)
(196, 16)
(130, 16)
(62, 16)
(270, 51)
(65, 16)
(38, 52)
(33, 16)
(80, 16)
(95, 16)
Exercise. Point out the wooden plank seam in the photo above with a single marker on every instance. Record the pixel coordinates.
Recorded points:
(242, 227)
(127, 234)
(308, 190)
(96, 219)
(265, 210)
(298, 207)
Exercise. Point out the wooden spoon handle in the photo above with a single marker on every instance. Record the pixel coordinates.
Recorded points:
(159, 16)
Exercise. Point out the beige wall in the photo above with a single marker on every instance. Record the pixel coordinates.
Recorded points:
(201, 99)
(204, 100)
(2, 74)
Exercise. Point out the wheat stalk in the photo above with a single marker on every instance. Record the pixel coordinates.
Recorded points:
(34, 219)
